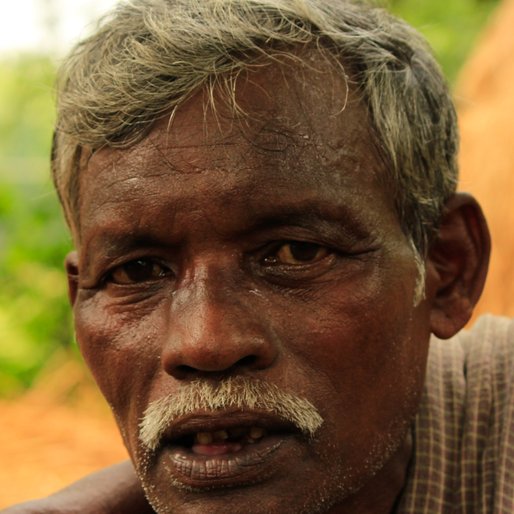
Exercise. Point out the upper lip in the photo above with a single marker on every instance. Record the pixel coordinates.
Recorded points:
(221, 420)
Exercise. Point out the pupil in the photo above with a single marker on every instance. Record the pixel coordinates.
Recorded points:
(139, 270)
(304, 251)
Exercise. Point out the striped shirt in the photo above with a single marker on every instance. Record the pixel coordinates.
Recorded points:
(464, 433)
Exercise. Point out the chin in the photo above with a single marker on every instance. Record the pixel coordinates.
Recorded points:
(279, 474)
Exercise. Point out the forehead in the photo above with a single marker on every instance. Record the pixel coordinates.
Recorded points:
(297, 128)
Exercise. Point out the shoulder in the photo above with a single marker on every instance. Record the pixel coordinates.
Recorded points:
(486, 424)
(488, 359)
(489, 338)
(464, 430)
(484, 351)
(473, 374)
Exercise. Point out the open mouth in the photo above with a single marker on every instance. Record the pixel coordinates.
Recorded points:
(226, 450)
(221, 442)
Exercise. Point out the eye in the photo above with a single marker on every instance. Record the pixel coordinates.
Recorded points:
(297, 253)
(137, 271)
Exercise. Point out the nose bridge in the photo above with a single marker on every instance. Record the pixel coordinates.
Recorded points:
(205, 309)
(214, 327)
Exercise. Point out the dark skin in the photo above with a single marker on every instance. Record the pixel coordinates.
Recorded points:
(268, 248)
(114, 490)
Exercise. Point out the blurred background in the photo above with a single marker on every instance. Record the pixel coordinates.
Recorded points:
(55, 426)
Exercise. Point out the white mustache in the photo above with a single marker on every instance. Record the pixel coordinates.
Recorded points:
(236, 392)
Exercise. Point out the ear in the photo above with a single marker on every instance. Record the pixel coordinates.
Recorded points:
(71, 263)
(457, 265)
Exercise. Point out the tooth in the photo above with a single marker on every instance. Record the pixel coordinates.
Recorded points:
(257, 432)
(204, 438)
(220, 435)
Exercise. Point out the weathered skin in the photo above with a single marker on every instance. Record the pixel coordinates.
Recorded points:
(205, 211)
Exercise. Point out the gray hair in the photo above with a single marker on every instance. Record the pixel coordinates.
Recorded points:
(148, 56)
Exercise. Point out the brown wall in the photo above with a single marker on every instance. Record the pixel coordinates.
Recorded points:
(485, 100)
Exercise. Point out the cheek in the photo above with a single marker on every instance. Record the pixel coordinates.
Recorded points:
(122, 352)
(366, 351)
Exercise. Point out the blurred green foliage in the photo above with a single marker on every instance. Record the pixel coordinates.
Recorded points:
(34, 315)
(451, 26)
(34, 318)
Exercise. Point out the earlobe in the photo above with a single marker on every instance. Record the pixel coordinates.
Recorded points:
(72, 271)
(457, 265)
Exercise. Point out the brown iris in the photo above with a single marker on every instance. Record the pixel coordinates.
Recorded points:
(297, 253)
(140, 270)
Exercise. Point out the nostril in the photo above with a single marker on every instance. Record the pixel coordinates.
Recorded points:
(184, 369)
(247, 361)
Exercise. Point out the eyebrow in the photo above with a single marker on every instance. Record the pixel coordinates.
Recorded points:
(111, 243)
(305, 214)
(309, 214)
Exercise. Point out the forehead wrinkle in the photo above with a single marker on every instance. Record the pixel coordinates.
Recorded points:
(114, 156)
(184, 164)
(275, 137)
(170, 166)
(122, 185)
(271, 137)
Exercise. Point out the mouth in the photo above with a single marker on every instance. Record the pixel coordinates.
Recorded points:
(222, 442)
(226, 449)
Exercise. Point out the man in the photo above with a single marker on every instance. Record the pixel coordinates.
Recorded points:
(262, 198)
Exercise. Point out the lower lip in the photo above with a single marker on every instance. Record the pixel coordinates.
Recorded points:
(252, 463)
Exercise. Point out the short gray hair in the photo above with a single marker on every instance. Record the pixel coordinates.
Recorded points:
(148, 56)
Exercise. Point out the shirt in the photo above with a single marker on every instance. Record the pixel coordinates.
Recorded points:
(463, 460)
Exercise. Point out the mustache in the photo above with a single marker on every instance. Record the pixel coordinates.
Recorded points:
(239, 393)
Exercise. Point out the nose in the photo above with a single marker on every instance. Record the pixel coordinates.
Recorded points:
(213, 330)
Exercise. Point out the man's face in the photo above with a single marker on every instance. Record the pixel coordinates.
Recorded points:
(265, 250)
